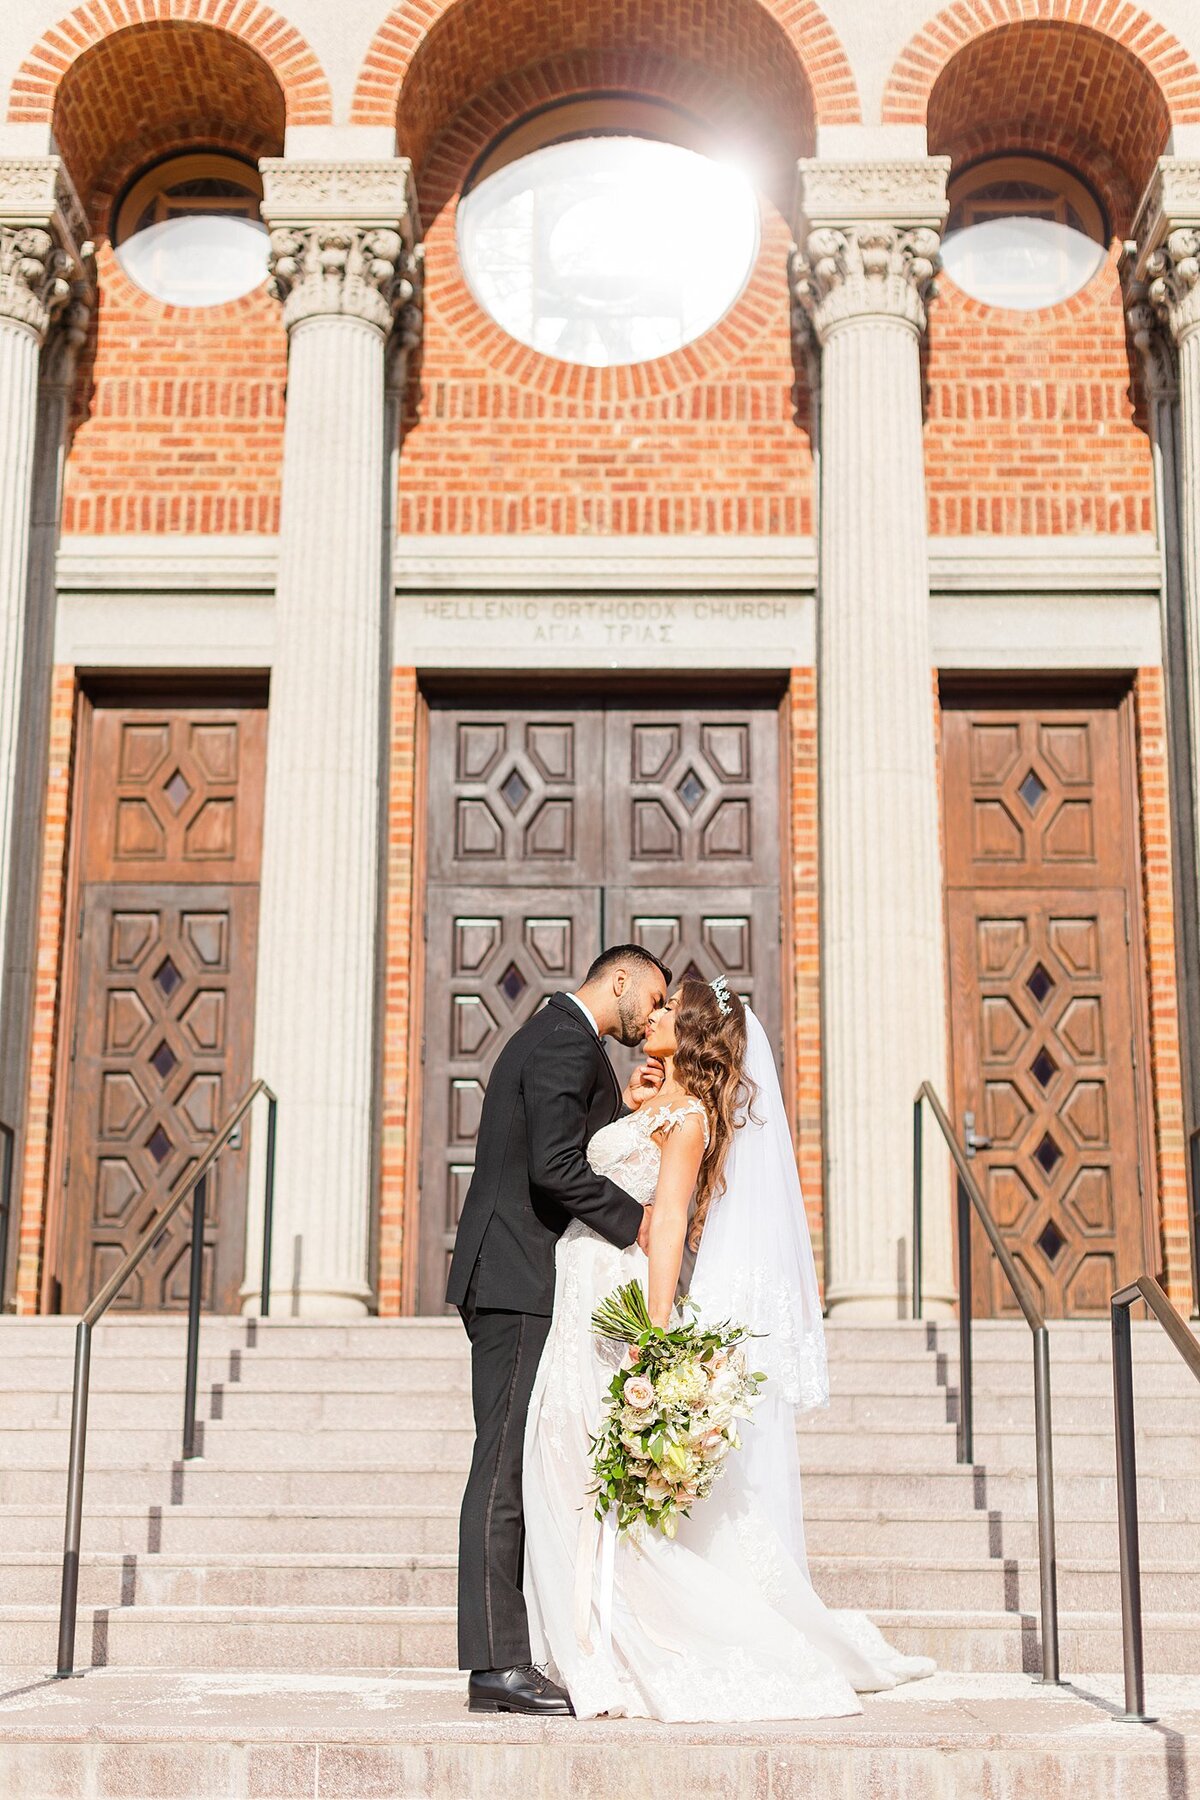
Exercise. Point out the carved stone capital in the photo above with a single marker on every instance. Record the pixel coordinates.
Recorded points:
(344, 239)
(360, 273)
(864, 271)
(1151, 339)
(1166, 253)
(868, 236)
(43, 240)
(67, 336)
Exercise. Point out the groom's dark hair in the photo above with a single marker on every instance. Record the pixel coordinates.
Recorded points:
(627, 953)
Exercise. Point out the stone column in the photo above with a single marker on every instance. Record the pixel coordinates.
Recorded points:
(42, 246)
(1162, 270)
(869, 239)
(343, 263)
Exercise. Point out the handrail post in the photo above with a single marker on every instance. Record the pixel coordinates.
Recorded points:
(195, 1289)
(69, 1602)
(264, 1298)
(1047, 1554)
(7, 1158)
(918, 1204)
(1127, 1514)
(966, 1452)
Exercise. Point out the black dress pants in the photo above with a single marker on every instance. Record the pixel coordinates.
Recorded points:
(493, 1629)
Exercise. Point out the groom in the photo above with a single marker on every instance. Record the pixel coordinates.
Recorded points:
(552, 1088)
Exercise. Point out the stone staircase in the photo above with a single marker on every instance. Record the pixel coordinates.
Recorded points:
(318, 1527)
(314, 1538)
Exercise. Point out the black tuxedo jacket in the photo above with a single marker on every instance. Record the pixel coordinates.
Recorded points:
(551, 1089)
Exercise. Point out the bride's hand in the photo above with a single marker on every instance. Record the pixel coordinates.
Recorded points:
(643, 1084)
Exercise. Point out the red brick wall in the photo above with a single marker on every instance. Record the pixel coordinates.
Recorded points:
(403, 905)
(806, 954)
(1030, 425)
(33, 1182)
(1165, 1062)
(179, 415)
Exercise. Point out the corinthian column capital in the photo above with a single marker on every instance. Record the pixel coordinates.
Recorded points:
(1152, 341)
(344, 241)
(43, 240)
(868, 237)
(1165, 254)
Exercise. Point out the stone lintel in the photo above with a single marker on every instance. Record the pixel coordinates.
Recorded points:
(380, 194)
(37, 193)
(905, 192)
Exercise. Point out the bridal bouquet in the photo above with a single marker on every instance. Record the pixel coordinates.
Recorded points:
(672, 1413)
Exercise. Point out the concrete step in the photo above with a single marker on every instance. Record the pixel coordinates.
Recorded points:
(167, 1733)
(256, 1447)
(333, 1638)
(190, 1530)
(402, 1577)
(1081, 1496)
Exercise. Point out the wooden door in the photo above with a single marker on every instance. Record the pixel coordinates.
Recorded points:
(162, 1033)
(493, 956)
(1045, 998)
(552, 831)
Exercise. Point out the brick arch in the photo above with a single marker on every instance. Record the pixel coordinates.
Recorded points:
(924, 58)
(280, 46)
(1056, 87)
(431, 56)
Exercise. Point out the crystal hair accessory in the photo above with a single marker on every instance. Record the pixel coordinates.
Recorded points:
(720, 988)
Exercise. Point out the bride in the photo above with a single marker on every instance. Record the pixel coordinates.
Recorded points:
(722, 1622)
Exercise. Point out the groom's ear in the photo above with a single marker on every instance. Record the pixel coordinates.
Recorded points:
(620, 982)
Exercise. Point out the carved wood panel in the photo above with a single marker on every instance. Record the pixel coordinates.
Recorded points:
(1043, 996)
(656, 825)
(493, 956)
(162, 1033)
(515, 792)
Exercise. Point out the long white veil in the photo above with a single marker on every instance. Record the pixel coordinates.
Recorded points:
(755, 1266)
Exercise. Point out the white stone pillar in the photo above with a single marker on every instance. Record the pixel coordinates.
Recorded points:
(343, 263)
(868, 237)
(1163, 293)
(42, 242)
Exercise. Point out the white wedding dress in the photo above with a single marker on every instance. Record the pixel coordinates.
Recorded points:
(722, 1622)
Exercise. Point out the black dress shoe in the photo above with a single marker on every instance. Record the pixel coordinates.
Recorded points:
(525, 1689)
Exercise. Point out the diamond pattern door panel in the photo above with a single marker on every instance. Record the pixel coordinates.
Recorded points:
(492, 958)
(659, 825)
(1046, 1030)
(689, 791)
(515, 791)
(164, 995)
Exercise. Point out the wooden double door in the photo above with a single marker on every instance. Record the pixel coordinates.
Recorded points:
(161, 999)
(553, 831)
(1048, 1016)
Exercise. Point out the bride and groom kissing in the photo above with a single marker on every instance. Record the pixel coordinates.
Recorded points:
(686, 1182)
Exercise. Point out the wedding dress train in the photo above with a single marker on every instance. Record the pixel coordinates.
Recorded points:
(722, 1622)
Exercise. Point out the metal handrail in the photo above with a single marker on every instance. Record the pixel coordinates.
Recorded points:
(1147, 1289)
(968, 1197)
(8, 1142)
(195, 1180)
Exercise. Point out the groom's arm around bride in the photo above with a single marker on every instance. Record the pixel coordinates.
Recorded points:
(551, 1089)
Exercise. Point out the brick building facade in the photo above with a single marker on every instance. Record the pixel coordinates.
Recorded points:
(363, 665)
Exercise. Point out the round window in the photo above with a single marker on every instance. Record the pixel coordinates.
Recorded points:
(1022, 233)
(189, 232)
(608, 249)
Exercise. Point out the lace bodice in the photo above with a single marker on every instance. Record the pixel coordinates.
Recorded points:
(626, 1151)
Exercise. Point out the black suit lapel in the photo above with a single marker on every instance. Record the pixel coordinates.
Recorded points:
(566, 1005)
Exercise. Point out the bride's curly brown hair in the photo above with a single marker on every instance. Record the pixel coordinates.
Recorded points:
(710, 1057)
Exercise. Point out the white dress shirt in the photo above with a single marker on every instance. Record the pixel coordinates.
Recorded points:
(586, 1012)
